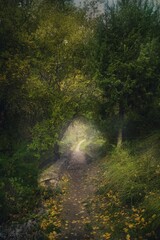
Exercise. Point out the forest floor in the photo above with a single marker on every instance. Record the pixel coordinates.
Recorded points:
(81, 188)
(66, 215)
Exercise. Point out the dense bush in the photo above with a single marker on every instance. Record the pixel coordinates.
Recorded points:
(18, 177)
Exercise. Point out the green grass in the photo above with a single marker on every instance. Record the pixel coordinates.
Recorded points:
(132, 173)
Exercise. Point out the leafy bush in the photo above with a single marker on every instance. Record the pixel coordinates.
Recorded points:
(18, 184)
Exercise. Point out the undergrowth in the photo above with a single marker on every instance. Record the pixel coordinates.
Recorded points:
(127, 203)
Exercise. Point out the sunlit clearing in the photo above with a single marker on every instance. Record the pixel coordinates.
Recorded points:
(82, 137)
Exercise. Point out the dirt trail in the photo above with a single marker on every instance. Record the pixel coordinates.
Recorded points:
(75, 216)
(79, 145)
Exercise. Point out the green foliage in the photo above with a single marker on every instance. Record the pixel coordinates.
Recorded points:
(126, 59)
(121, 173)
(18, 177)
(132, 173)
(152, 205)
(43, 86)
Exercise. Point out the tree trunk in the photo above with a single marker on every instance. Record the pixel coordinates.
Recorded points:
(120, 127)
(120, 136)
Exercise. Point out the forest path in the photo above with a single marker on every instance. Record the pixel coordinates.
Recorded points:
(80, 189)
(79, 145)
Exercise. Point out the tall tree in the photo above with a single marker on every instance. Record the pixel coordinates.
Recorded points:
(44, 85)
(128, 57)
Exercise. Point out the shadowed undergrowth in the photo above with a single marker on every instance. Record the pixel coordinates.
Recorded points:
(114, 198)
(126, 205)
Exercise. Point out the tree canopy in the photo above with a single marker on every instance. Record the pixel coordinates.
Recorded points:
(127, 66)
